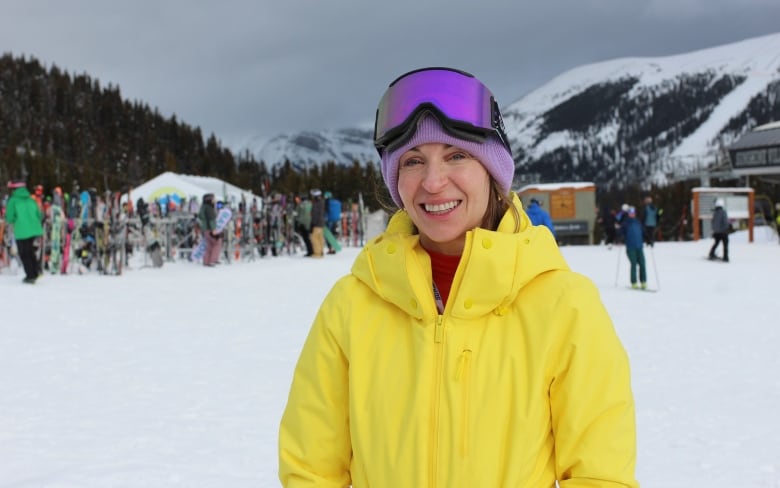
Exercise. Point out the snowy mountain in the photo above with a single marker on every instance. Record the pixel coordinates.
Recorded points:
(307, 147)
(616, 122)
(646, 119)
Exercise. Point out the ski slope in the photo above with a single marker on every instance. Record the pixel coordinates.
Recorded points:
(178, 376)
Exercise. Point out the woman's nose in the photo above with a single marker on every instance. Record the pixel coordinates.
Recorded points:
(435, 176)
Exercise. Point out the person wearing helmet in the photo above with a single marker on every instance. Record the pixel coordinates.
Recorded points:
(24, 214)
(720, 230)
(461, 350)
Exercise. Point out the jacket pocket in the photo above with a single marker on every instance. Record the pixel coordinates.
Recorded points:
(462, 375)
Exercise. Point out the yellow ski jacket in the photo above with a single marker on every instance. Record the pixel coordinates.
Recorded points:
(522, 380)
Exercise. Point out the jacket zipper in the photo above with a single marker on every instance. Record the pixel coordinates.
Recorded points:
(462, 375)
(438, 338)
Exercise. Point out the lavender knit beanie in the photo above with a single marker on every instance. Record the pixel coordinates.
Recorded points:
(491, 153)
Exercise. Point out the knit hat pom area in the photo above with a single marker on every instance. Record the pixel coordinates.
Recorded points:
(492, 154)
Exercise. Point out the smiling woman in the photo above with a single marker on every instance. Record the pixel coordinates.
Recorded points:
(445, 189)
(461, 351)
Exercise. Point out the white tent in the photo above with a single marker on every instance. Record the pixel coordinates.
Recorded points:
(176, 186)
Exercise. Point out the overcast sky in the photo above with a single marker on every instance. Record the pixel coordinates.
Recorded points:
(257, 68)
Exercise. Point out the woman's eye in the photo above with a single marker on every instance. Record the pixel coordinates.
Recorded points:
(410, 162)
(460, 155)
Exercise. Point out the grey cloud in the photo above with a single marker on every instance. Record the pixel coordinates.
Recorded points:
(244, 69)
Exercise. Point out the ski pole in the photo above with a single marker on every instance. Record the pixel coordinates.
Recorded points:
(655, 269)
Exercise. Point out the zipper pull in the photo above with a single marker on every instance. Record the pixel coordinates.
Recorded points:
(439, 330)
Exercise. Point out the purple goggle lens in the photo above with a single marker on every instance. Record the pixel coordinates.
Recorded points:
(465, 107)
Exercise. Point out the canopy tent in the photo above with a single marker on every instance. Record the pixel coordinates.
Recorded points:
(174, 186)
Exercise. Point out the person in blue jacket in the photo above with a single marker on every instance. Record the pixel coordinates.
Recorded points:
(332, 217)
(633, 236)
(539, 216)
(650, 220)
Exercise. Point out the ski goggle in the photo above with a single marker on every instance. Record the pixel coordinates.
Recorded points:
(465, 107)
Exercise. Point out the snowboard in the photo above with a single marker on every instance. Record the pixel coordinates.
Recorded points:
(331, 239)
(70, 227)
(55, 240)
(85, 203)
(223, 217)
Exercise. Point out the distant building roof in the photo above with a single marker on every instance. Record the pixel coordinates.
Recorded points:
(766, 135)
(576, 185)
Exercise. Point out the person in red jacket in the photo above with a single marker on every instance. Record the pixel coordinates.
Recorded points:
(460, 351)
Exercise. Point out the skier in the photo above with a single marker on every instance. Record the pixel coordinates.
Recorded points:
(25, 215)
(720, 230)
(633, 236)
(619, 216)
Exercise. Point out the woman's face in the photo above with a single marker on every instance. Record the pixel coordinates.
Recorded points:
(445, 191)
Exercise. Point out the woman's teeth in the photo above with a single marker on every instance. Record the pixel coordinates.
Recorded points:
(441, 207)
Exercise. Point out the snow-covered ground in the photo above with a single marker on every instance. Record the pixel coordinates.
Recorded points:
(178, 376)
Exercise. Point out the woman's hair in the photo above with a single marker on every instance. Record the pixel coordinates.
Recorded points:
(498, 203)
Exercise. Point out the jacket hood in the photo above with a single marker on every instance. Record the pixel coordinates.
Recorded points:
(21, 193)
(495, 265)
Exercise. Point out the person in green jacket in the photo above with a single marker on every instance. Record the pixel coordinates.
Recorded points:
(461, 350)
(303, 221)
(24, 214)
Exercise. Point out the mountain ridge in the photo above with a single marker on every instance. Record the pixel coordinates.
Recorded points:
(616, 122)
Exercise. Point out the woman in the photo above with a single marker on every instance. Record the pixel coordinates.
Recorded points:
(461, 351)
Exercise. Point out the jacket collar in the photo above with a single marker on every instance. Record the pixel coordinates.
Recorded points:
(495, 266)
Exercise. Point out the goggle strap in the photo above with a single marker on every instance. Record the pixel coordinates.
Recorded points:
(407, 130)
